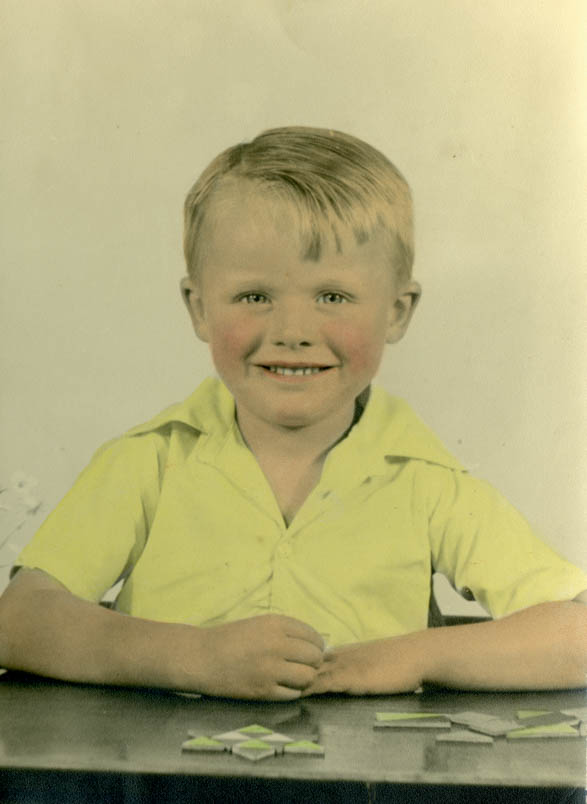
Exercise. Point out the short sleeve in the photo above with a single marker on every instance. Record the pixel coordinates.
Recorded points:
(480, 542)
(98, 531)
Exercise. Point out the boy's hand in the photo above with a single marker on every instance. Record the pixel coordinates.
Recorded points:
(384, 666)
(269, 657)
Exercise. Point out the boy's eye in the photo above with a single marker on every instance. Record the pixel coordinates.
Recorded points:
(331, 298)
(254, 298)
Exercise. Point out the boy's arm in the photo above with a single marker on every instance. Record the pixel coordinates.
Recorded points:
(541, 647)
(46, 630)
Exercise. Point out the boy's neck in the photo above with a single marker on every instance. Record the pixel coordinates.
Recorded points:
(304, 444)
(292, 459)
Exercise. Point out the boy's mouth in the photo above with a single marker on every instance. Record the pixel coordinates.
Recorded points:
(295, 371)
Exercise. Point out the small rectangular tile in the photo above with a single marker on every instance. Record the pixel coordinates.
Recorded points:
(413, 724)
(545, 718)
(389, 716)
(304, 748)
(466, 718)
(464, 736)
(543, 732)
(411, 720)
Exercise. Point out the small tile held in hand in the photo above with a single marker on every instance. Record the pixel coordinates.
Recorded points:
(202, 744)
(583, 729)
(543, 732)
(464, 736)
(305, 748)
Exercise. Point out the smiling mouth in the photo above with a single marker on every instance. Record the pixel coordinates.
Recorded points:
(296, 371)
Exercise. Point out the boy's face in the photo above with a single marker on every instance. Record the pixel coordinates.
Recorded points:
(295, 341)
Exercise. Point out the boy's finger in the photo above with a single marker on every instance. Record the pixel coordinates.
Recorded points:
(298, 629)
(303, 652)
(319, 686)
(296, 676)
(283, 693)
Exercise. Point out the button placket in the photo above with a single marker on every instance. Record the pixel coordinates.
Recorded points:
(284, 550)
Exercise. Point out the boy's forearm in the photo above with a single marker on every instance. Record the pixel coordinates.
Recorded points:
(50, 632)
(542, 647)
(46, 630)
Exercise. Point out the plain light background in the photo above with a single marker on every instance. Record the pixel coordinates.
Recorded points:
(111, 108)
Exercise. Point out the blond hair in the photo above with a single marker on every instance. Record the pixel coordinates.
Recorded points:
(334, 180)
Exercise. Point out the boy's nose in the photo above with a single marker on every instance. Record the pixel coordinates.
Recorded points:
(292, 326)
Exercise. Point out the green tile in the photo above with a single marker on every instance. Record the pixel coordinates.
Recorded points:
(304, 747)
(523, 713)
(259, 745)
(253, 754)
(464, 736)
(255, 729)
(387, 716)
(557, 730)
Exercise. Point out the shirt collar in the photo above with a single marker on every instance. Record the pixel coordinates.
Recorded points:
(388, 429)
(210, 409)
(388, 432)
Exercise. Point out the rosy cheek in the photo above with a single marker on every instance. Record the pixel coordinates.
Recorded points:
(231, 341)
(359, 346)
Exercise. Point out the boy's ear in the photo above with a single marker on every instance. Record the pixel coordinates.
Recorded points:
(402, 310)
(192, 295)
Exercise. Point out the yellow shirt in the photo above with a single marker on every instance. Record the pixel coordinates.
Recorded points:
(181, 509)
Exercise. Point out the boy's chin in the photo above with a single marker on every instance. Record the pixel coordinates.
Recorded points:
(292, 421)
(290, 417)
(300, 417)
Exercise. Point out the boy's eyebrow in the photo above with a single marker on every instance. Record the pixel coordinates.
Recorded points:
(314, 283)
(349, 276)
(240, 281)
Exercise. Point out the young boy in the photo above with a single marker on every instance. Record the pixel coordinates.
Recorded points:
(289, 502)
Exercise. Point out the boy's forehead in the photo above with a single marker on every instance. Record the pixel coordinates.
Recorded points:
(246, 213)
(241, 204)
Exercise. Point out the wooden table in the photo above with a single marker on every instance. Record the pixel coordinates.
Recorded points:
(67, 743)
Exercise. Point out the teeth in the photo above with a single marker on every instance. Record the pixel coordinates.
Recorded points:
(293, 372)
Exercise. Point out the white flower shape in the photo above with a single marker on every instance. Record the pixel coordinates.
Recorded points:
(19, 503)
(24, 485)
